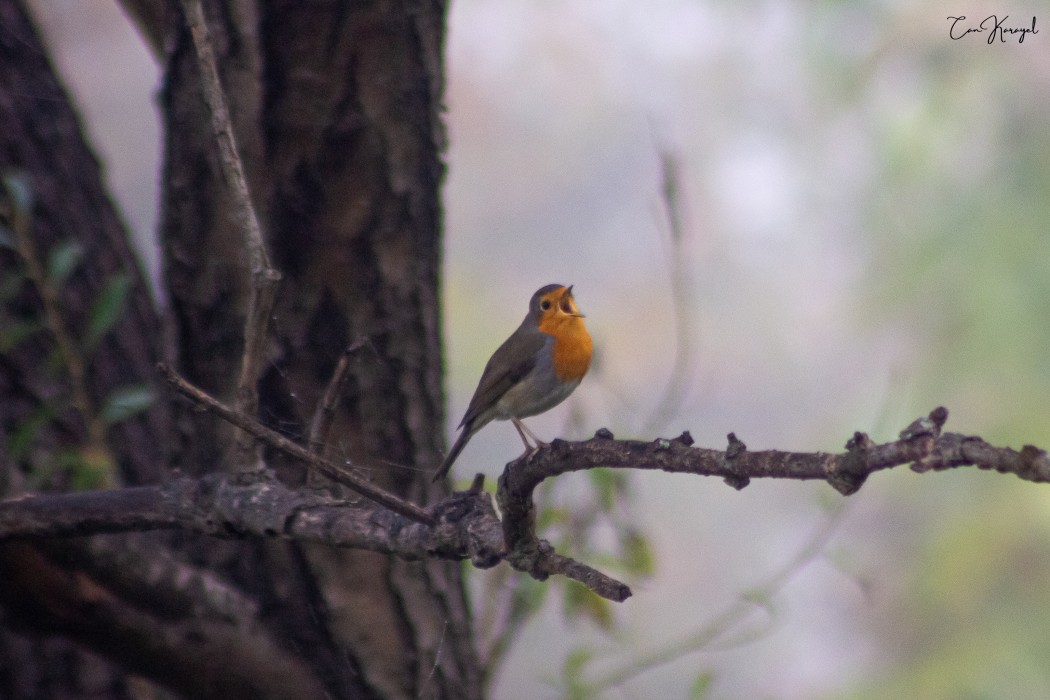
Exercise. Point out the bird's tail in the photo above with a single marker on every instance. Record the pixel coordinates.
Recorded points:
(457, 447)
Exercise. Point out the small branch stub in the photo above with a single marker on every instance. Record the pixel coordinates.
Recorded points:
(734, 450)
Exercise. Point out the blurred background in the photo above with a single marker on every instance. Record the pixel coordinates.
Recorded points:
(863, 237)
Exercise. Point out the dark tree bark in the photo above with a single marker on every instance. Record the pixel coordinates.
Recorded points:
(336, 109)
(40, 137)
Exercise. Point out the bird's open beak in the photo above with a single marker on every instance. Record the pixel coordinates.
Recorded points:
(572, 303)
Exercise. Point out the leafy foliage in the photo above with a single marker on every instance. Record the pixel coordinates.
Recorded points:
(24, 315)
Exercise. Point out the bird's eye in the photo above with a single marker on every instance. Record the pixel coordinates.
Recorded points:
(545, 304)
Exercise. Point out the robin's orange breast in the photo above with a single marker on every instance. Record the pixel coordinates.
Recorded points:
(571, 354)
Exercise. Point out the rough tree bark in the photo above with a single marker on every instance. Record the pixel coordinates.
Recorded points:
(336, 108)
(41, 136)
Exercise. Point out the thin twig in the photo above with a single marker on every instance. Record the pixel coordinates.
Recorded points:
(326, 407)
(230, 160)
(735, 614)
(673, 395)
(324, 414)
(260, 305)
(330, 469)
(264, 279)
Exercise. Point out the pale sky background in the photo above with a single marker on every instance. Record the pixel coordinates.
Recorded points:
(839, 258)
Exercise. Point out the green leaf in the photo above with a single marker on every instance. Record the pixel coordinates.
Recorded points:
(87, 468)
(580, 601)
(63, 259)
(24, 434)
(125, 402)
(575, 661)
(11, 285)
(55, 361)
(16, 205)
(548, 517)
(572, 673)
(16, 331)
(18, 188)
(528, 596)
(638, 557)
(107, 310)
(701, 687)
(607, 485)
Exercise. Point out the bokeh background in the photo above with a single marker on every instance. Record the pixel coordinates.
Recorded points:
(864, 237)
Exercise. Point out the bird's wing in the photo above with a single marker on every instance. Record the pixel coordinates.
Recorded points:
(508, 365)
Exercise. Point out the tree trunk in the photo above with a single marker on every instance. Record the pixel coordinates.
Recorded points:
(336, 109)
(46, 442)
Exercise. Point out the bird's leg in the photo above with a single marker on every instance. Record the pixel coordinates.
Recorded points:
(523, 430)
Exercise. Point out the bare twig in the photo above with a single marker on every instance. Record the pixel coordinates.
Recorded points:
(264, 279)
(921, 444)
(757, 597)
(321, 422)
(260, 305)
(536, 557)
(325, 411)
(673, 395)
(230, 160)
(330, 469)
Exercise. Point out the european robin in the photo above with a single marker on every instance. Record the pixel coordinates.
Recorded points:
(534, 370)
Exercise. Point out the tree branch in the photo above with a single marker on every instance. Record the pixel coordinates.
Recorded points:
(330, 469)
(921, 444)
(465, 525)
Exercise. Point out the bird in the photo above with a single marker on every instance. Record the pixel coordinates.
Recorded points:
(534, 370)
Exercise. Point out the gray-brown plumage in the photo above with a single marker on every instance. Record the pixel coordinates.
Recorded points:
(535, 369)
